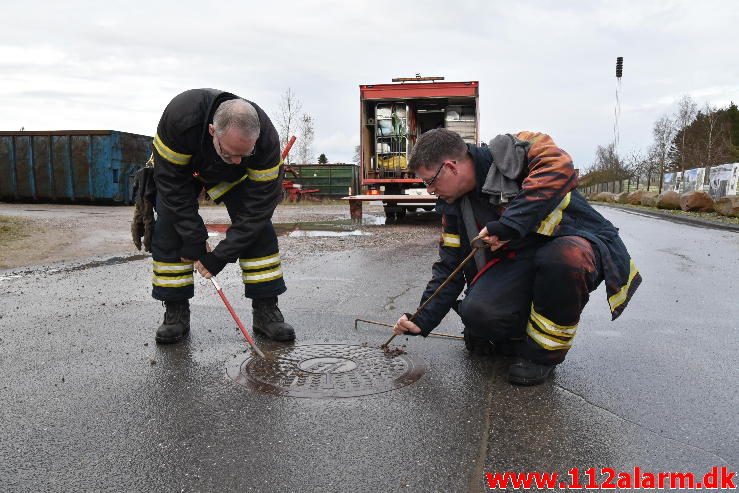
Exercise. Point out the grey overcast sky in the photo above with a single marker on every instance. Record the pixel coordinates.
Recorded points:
(542, 65)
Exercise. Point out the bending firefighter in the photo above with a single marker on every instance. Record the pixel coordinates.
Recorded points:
(545, 248)
(214, 140)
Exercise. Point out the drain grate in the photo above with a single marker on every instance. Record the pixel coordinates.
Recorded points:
(328, 371)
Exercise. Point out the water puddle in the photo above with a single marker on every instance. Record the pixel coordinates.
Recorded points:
(299, 233)
(67, 268)
(370, 220)
(318, 229)
(338, 227)
(99, 263)
(341, 227)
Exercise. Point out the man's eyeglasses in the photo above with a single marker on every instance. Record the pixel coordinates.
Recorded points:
(433, 179)
(231, 156)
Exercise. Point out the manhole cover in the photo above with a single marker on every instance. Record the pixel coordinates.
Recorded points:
(328, 370)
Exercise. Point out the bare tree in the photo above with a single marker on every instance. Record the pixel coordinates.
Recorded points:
(712, 121)
(607, 167)
(687, 110)
(287, 117)
(663, 132)
(637, 166)
(608, 161)
(357, 153)
(714, 144)
(305, 139)
(651, 166)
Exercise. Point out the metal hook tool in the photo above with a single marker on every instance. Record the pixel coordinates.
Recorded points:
(448, 279)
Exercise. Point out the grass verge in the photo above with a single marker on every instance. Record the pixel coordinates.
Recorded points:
(11, 230)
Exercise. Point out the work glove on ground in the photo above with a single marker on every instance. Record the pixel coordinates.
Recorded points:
(144, 195)
(142, 225)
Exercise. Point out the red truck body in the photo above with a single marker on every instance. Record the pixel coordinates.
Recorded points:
(393, 116)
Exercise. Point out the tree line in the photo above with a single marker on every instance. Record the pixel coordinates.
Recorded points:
(686, 139)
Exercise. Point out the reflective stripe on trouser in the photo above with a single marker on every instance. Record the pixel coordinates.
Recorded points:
(173, 279)
(262, 276)
(567, 270)
(547, 334)
(261, 269)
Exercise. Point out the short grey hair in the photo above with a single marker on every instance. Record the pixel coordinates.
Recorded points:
(434, 147)
(238, 114)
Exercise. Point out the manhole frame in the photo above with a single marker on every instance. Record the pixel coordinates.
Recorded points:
(415, 369)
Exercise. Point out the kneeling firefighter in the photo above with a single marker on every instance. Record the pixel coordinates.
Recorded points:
(548, 248)
(215, 140)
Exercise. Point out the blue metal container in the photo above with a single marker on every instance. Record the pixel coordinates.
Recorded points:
(70, 165)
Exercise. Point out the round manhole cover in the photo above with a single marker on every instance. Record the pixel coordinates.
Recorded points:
(328, 370)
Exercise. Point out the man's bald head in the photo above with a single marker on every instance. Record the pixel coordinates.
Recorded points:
(239, 115)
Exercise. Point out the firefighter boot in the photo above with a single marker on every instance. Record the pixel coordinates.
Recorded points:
(525, 372)
(477, 345)
(268, 320)
(488, 347)
(176, 323)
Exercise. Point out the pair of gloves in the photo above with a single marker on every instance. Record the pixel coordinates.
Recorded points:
(144, 196)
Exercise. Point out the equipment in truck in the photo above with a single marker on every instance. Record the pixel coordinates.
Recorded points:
(392, 117)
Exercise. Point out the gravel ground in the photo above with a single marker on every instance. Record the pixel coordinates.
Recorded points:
(38, 235)
(46, 234)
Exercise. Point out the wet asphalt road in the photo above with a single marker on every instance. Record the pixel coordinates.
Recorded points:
(88, 402)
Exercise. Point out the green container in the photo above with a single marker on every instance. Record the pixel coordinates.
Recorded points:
(331, 180)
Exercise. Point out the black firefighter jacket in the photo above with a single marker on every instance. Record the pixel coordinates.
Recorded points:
(185, 161)
(546, 205)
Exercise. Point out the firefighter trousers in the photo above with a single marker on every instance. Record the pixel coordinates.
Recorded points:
(533, 300)
(174, 280)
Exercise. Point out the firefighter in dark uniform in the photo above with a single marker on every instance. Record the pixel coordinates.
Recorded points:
(215, 140)
(544, 248)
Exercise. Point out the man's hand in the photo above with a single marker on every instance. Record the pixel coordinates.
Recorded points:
(491, 240)
(198, 265)
(202, 270)
(404, 325)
